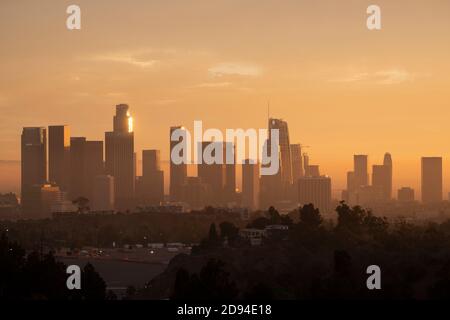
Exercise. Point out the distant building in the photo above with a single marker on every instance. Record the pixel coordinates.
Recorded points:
(103, 194)
(315, 190)
(361, 175)
(405, 194)
(250, 185)
(178, 172)
(59, 156)
(9, 206)
(213, 173)
(230, 173)
(42, 199)
(120, 159)
(196, 193)
(431, 179)
(34, 166)
(150, 187)
(297, 162)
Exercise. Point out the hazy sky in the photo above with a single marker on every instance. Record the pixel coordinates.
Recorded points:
(342, 88)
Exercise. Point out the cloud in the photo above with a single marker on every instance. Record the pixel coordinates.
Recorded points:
(234, 69)
(383, 77)
(164, 102)
(140, 59)
(212, 85)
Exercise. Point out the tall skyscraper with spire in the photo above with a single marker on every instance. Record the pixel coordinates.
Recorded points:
(120, 157)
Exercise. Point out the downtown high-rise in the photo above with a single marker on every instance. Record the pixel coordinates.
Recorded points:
(120, 161)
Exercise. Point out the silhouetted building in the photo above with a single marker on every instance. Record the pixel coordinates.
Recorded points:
(178, 172)
(230, 173)
(361, 175)
(94, 164)
(284, 149)
(9, 206)
(59, 156)
(381, 180)
(41, 199)
(103, 194)
(196, 193)
(120, 158)
(315, 190)
(78, 168)
(297, 162)
(213, 174)
(387, 162)
(250, 184)
(150, 187)
(405, 194)
(431, 179)
(33, 166)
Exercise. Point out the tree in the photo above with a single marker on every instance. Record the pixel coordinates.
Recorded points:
(229, 231)
(82, 203)
(93, 287)
(310, 216)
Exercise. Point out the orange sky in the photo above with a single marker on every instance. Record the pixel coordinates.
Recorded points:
(343, 89)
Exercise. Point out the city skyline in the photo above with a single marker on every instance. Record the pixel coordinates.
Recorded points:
(343, 89)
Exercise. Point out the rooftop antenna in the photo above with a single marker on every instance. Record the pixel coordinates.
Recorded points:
(268, 110)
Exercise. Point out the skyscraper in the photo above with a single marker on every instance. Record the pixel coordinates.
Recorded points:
(250, 184)
(361, 175)
(315, 190)
(34, 164)
(94, 164)
(405, 194)
(77, 168)
(284, 148)
(59, 156)
(387, 162)
(381, 180)
(431, 179)
(103, 193)
(120, 157)
(297, 162)
(178, 172)
(230, 173)
(151, 184)
(213, 174)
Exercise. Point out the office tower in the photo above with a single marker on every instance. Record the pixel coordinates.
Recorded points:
(103, 194)
(213, 174)
(178, 172)
(59, 156)
(361, 175)
(230, 173)
(431, 179)
(387, 162)
(94, 164)
(351, 185)
(284, 149)
(196, 193)
(381, 180)
(86, 159)
(120, 158)
(77, 168)
(40, 199)
(151, 185)
(405, 194)
(313, 170)
(315, 190)
(297, 162)
(34, 165)
(250, 184)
